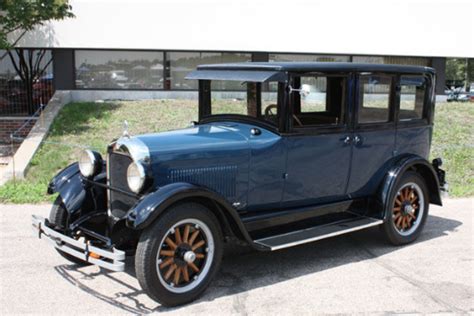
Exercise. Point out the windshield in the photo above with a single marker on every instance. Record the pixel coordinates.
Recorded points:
(251, 99)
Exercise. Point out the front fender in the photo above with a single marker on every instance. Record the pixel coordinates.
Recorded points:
(69, 186)
(76, 195)
(151, 206)
(404, 163)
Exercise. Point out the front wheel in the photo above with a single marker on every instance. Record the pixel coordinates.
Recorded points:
(179, 254)
(409, 210)
(59, 218)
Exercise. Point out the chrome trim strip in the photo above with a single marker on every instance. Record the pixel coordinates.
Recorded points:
(304, 241)
(83, 250)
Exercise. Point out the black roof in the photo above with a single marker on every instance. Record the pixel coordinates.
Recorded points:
(316, 66)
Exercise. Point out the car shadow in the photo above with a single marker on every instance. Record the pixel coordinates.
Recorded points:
(244, 269)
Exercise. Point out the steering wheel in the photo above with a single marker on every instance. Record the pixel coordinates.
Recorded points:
(271, 111)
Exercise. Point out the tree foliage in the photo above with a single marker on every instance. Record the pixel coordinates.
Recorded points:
(455, 68)
(19, 16)
(460, 70)
(470, 70)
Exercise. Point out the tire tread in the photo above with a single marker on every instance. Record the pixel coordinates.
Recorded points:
(145, 268)
(388, 228)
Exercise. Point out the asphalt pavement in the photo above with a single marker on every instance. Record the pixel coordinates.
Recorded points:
(355, 273)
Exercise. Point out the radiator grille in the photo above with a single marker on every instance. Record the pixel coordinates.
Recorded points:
(219, 179)
(119, 202)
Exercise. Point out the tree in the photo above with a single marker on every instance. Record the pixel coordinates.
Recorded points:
(18, 17)
(470, 71)
(455, 68)
(460, 70)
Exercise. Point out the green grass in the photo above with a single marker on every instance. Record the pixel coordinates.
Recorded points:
(453, 141)
(94, 125)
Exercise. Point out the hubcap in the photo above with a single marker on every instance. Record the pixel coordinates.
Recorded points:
(408, 208)
(185, 255)
(189, 256)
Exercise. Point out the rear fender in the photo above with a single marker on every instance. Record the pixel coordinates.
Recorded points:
(410, 162)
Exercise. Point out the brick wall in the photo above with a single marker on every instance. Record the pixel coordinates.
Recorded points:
(9, 125)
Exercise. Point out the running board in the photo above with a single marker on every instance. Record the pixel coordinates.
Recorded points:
(317, 233)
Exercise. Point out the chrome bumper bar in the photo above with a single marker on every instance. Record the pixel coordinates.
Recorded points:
(111, 260)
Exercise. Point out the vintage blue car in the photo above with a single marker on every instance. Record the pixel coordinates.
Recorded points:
(307, 151)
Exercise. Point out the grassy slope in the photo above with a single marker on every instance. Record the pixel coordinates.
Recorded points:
(453, 140)
(95, 125)
(92, 125)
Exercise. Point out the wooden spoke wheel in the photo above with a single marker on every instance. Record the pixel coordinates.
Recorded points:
(408, 208)
(185, 255)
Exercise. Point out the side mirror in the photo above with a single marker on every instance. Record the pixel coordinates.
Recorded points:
(304, 91)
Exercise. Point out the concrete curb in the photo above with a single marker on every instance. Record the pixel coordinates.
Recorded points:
(18, 166)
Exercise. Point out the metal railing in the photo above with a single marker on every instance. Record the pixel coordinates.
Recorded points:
(15, 99)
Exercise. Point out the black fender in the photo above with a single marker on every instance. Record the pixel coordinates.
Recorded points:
(68, 184)
(149, 208)
(74, 192)
(402, 164)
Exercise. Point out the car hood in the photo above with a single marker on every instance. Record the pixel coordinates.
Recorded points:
(213, 155)
(206, 137)
(198, 150)
(202, 141)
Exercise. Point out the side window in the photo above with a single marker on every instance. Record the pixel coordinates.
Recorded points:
(374, 98)
(251, 103)
(412, 97)
(315, 101)
(323, 105)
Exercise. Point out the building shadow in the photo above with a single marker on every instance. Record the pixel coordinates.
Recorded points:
(244, 269)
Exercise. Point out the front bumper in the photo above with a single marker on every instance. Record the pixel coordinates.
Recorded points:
(109, 259)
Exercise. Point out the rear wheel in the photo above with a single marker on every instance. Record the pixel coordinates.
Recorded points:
(409, 210)
(59, 218)
(179, 254)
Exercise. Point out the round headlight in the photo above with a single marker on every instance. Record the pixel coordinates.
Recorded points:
(136, 176)
(89, 163)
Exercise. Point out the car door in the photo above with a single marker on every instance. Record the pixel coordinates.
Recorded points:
(373, 132)
(318, 147)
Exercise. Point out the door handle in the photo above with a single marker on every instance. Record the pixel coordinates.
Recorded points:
(347, 140)
(357, 140)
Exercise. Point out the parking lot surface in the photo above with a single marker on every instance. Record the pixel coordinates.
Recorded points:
(355, 273)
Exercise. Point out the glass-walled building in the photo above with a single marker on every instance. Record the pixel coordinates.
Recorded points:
(160, 70)
(166, 70)
(152, 46)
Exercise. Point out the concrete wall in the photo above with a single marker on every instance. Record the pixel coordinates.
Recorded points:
(95, 95)
(104, 95)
